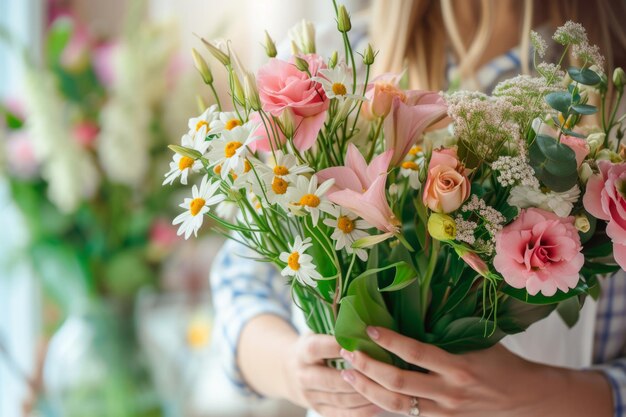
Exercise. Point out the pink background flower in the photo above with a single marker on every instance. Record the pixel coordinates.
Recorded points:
(539, 251)
(282, 85)
(604, 200)
(578, 145)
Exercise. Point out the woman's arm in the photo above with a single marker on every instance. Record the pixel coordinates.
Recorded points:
(492, 382)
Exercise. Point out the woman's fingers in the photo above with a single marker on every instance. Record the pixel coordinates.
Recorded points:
(320, 378)
(330, 411)
(388, 400)
(410, 350)
(336, 399)
(394, 379)
(316, 347)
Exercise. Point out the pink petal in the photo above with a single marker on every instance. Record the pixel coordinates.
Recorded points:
(344, 178)
(619, 253)
(307, 130)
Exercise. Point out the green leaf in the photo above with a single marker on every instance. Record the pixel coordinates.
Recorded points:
(554, 163)
(403, 277)
(560, 101)
(59, 36)
(467, 334)
(522, 294)
(599, 268)
(515, 316)
(572, 133)
(351, 325)
(184, 151)
(598, 251)
(585, 109)
(569, 310)
(584, 76)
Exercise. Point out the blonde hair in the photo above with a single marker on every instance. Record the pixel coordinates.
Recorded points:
(417, 34)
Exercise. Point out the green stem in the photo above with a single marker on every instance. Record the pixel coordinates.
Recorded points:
(375, 139)
(217, 97)
(430, 270)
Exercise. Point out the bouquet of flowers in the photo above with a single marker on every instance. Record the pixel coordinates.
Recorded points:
(454, 218)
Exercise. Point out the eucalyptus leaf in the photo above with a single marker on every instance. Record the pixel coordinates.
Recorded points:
(584, 76)
(585, 109)
(559, 100)
(554, 163)
(569, 310)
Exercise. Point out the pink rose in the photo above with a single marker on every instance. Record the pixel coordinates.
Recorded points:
(539, 251)
(282, 85)
(605, 200)
(579, 146)
(447, 186)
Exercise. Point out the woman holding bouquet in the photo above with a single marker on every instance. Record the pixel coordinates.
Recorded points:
(268, 357)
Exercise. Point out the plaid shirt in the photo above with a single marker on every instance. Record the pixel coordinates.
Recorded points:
(243, 289)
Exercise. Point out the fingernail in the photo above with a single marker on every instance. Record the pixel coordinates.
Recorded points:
(347, 355)
(372, 332)
(347, 376)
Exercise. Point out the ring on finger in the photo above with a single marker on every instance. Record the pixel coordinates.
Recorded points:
(414, 410)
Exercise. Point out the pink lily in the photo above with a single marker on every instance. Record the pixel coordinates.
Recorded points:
(361, 188)
(408, 120)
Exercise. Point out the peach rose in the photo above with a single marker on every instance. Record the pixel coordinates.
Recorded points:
(605, 200)
(539, 251)
(447, 186)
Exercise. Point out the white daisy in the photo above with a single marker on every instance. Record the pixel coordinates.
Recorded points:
(225, 121)
(337, 82)
(197, 206)
(410, 167)
(306, 196)
(229, 152)
(286, 167)
(299, 264)
(182, 165)
(348, 229)
(203, 121)
(227, 210)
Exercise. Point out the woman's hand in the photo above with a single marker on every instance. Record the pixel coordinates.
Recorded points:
(492, 382)
(312, 384)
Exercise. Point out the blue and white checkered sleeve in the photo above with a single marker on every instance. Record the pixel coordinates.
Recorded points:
(243, 289)
(615, 372)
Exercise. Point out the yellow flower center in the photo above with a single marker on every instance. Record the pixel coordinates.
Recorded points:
(247, 166)
(281, 170)
(292, 261)
(202, 123)
(339, 89)
(196, 205)
(231, 148)
(410, 165)
(279, 185)
(198, 334)
(233, 175)
(217, 169)
(184, 163)
(232, 123)
(345, 224)
(310, 200)
(415, 150)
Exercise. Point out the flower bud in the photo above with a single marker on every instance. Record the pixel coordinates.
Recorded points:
(393, 190)
(238, 93)
(286, 123)
(332, 62)
(473, 260)
(216, 52)
(343, 20)
(251, 91)
(584, 172)
(582, 223)
(595, 140)
(202, 67)
(441, 227)
(303, 35)
(619, 79)
(301, 64)
(369, 55)
(270, 46)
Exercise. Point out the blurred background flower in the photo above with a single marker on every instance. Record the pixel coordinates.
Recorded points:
(104, 311)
